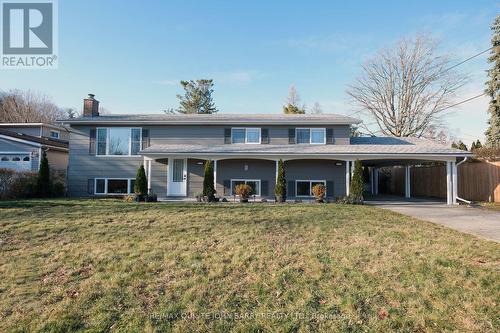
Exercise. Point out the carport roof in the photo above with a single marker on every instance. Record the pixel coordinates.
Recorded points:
(359, 146)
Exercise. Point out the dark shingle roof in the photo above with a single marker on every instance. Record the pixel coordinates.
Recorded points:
(44, 141)
(214, 119)
(362, 145)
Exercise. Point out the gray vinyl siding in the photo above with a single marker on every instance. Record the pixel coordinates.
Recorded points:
(83, 166)
(262, 170)
(215, 134)
(318, 170)
(196, 171)
(63, 134)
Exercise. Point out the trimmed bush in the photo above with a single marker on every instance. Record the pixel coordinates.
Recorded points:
(280, 188)
(208, 182)
(357, 186)
(43, 184)
(141, 182)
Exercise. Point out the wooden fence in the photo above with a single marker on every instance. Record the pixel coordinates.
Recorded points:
(477, 181)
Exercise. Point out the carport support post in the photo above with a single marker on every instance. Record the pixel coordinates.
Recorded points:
(375, 180)
(407, 182)
(449, 183)
(454, 180)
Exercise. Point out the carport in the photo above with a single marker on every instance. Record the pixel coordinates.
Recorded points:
(377, 153)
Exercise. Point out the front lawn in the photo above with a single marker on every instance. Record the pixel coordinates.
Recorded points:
(97, 266)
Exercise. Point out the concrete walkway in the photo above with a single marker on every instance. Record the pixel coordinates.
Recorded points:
(477, 221)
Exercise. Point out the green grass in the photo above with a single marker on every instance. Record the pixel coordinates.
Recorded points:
(99, 266)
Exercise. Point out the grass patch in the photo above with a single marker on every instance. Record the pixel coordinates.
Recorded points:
(105, 265)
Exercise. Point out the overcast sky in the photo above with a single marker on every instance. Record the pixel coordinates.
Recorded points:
(132, 54)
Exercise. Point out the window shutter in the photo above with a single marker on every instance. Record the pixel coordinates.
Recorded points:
(329, 136)
(92, 139)
(227, 187)
(264, 135)
(90, 186)
(264, 188)
(291, 135)
(145, 138)
(227, 135)
(329, 188)
(291, 188)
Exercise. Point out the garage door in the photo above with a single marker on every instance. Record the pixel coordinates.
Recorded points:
(18, 162)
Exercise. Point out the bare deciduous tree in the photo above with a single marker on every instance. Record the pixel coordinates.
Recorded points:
(18, 106)
(292, 102)
(316, 109)
(407, 89)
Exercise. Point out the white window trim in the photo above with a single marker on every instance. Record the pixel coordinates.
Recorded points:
(107, 142)
(310, 135)
(58, 134)
(246, 137)
(310, 186)
(130, 190)
(258, 181)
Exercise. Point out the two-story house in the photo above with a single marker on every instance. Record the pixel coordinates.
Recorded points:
(21, 145)
(105, 152)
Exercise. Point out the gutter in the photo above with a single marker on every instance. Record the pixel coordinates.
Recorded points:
(456, 196)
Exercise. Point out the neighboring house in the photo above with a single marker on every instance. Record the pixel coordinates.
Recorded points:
(21, 146)
(105, 152)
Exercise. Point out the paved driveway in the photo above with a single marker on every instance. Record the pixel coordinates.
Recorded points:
(478, 221)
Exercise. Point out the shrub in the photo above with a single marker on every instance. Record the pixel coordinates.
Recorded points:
(43, 184)
(280, 188)
(129, 198)
(6, 179)
(208, 182)
(357, 186)
(24, 185)
(141, 182)
(58, 189)
(243, 190)
(319, 192)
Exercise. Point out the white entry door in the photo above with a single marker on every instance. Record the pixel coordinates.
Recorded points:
(177, 177)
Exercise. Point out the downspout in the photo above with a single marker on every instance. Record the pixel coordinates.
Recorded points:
(456, 168)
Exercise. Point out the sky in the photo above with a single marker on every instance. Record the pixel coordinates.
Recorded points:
(132, 54)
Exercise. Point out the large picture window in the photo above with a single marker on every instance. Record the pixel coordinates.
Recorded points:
(246, 135)
(114, 186)
(118, 141)
(253, 183)
(310, 135)
(303, 188)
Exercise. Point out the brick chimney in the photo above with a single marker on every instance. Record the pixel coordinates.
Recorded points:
(90, 106)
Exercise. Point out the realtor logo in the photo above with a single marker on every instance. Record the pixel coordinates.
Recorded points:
(29, 34)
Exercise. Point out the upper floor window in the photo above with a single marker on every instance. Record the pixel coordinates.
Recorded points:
(55, 134)
(118, 141)
(246, 135)
(310, 135)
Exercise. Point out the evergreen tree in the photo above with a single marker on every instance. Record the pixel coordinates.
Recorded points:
(43, 187)
(473, 146)
(141, 182)
(462, 145)
(197, 97)
(478, 144)
(357, 186)
(454, 145)
(493, 88)
(280, 188)
(208, 181)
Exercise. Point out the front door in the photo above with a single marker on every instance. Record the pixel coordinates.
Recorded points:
(177, 177)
